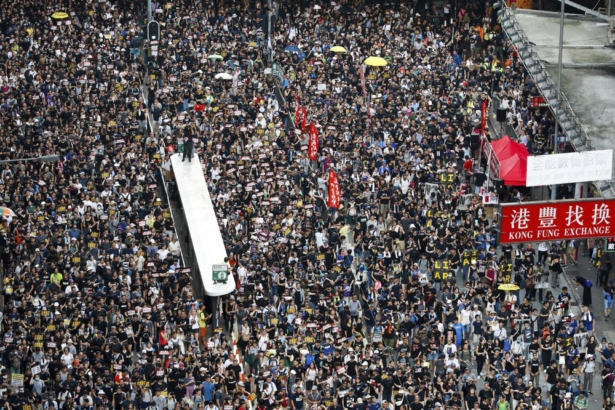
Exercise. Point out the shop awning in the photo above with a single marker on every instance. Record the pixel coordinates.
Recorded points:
(512, 157)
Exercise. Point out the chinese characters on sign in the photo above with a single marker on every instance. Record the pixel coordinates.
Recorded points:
(557, 220)
(570, 167)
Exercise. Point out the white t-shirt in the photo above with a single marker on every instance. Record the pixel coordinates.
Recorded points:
(174, 248)
(465, 318)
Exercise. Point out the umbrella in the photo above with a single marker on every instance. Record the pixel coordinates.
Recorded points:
(293, 49)
(224, 76)
(508, 286)
(375, 62)
(59, 15)
(338, 49)
(6, 212)
(215, 57)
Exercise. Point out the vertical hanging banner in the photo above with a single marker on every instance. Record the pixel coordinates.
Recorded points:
(296, 109)
(303, 118)
(483, 117)
(334, 190)
(313, 143)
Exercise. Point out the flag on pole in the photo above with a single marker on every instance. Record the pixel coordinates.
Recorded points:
(334, 190)
(296, 109)
(313, 143)
(303, 118)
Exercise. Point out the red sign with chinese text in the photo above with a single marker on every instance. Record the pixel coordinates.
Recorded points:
(313, 143)
(334, 190)
(297, 108)
(557, 220)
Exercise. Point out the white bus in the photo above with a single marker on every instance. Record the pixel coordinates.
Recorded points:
(207, 246)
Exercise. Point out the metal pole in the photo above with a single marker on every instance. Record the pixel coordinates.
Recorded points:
(214, 312)
(559, 86)
(149, 10)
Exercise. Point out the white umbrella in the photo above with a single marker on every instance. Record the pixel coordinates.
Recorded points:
(224, 76)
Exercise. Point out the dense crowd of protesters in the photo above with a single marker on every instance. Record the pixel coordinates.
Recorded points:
(351, 308)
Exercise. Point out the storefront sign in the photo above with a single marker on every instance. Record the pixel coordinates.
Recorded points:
(557, 220)
(569, 168)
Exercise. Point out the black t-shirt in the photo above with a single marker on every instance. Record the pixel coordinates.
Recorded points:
(470, 400)
(417, 405)
(298, 400)
(521, 366)
(551, 375)
(486, 394)
(479, 179)
(534, 366)
(547, 346)
(518, 390)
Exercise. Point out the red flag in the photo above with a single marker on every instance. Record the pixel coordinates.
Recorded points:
(313, 143)
(303, 118)
(334, 190)
(483, 116)
(296, 109)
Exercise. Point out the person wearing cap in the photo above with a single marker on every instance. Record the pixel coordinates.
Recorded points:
(313, 397)
(588, 369)
(297, 399)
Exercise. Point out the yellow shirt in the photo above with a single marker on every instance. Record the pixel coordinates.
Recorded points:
(56, 278)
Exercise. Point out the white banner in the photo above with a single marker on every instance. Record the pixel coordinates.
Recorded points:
(569, 168)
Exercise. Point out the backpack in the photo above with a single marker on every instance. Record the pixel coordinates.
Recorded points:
(506, 345)
(588, 283)
(309, 359)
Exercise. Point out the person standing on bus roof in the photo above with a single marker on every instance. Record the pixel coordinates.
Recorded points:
(188, 147)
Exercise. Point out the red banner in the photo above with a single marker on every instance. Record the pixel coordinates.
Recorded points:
(303, 118)
(313, 143)
(296, 109)
(483, 117)
(334, 190)
(557, 220)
